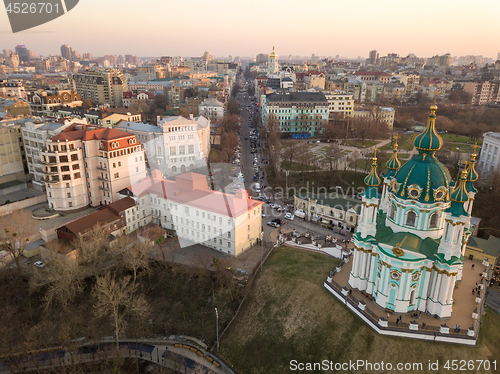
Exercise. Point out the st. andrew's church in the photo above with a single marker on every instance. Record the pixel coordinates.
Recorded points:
(410, 241)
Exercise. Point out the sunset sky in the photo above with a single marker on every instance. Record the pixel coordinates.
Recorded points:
(239, 27)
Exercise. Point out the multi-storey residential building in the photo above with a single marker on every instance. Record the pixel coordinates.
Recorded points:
(175, 145)
(224, 222)
(340, 105)
(394, 92)
(211, 109)
(296, 114)
(89, 166)
(411, 82)
(383, 114)
(66, 52)
(373, 76)
(11, 160)
(489, 160)
(483, 92)
(373, 57)
(12, 89)
(35, 135)
(45, 103)
(101, 86)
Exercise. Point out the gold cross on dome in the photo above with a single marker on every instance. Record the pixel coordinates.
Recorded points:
(375, 152)
(475, 147)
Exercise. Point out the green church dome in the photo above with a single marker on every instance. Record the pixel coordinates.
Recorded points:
(423, 178)
(429, 140)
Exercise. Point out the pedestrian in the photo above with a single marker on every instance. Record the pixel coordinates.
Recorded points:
(473, 291)
(458, 327)
(419, 314)
(350, 291)
(388, 316)
(472, 267)
(397, 321)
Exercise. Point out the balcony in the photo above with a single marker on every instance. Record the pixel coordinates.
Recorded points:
(104, 188)
(105, 178)
(48, 162)
(48, 180)
(102, 168)
(49, 172)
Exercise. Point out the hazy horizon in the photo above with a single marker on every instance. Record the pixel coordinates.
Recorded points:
(222, 27)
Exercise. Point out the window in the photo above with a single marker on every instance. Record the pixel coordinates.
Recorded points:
(69, 194)
(248, 227)
(433, 220)
(76, 176)
(117, 175)
(114, 164)
(74, 157)
(70, 204)
(411, 219)
(172, 151)
(190, 148)
(76, 166)
(229, 234)
(119, 163)
(63, 158)
(65, 168)
(392, 212)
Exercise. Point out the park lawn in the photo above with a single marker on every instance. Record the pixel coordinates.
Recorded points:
(361, 164)
(359, 143)
(295, 166)
(452, 138)
(405, 141)
(289, 315)
(458, 147)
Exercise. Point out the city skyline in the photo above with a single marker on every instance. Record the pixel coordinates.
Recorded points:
(249, 29)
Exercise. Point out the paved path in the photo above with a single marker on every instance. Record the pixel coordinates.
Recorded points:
(187, 357)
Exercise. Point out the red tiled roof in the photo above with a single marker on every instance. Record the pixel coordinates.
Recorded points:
(87, 223)
(214, 201)
(104, 134)
(121, 205)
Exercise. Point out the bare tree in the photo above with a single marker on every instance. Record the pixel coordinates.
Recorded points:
(116, 299)
(137, 257)
(15, 231)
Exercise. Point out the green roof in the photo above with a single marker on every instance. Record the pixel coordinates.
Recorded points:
(407, 241)
(429, 140)
(426, 172)
(344, 203)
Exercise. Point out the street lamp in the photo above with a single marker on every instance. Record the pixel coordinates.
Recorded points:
(286, 173)
(217, 328)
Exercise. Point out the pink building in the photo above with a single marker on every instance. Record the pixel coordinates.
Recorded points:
(89, 165)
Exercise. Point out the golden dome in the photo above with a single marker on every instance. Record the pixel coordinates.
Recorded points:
(273, 53)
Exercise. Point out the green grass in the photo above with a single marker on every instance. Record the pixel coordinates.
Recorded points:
(289, 315)
(405, 141)
(295, 166)
(359, 143)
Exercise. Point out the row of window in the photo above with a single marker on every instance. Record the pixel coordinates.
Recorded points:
(412, 217)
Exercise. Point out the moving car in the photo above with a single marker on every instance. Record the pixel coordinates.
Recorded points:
(289, 216)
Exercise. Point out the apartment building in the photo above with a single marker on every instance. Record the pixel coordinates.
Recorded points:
(224, 222)
(383, 114)
(35, 135)
(483, 93)
(489, 160)
(45, 103)
(88, 166)
(101, 86)
(11, 160)
(175, 145)
(296, 114)
(12, 89)
(340, 105)
(371, 76)
(411, 82)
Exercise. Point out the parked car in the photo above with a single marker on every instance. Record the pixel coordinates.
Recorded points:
(273, 224)
(289, 216)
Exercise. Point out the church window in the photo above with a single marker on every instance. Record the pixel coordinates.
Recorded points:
(415, 276)
(411, 219)
(433, 220)
(395, 275)
(392, 213)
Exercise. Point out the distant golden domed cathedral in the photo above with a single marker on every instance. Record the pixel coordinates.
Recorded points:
(410, 241)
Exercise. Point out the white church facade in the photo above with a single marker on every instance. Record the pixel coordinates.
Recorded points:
(410, 241)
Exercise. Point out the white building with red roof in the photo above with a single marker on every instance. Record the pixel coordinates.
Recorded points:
(89, 166)
(224, 222)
